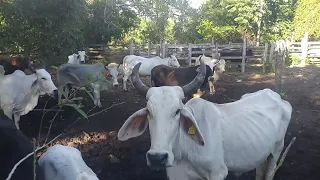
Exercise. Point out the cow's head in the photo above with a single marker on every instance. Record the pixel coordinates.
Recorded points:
(173, 61)
(114, 75)
(81, 56)
(44, 82)
(221, 66)
(166, 116)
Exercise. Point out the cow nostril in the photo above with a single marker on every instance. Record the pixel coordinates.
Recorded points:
(158, 159)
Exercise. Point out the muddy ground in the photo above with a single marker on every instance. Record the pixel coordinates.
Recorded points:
(111, 159)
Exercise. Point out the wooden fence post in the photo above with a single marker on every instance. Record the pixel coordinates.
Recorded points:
(244, 47)
(163, 49)
(304, 48)
(273, 45)
(149, 49)
(217, 49)
(160, 50)
(212, 49)
(264, 60)
(189, 54)
(281, 50)
(131, 47)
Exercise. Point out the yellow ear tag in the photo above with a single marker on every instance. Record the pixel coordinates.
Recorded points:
(192, 130)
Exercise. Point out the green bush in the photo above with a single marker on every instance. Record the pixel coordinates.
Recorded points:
(292, 59)
(270, 67)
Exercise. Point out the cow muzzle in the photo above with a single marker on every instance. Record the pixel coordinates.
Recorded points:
(157, 159)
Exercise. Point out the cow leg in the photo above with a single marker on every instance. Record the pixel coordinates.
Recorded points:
(261, 171)
(272, 160)
(60, 92)
(8, 113)
(96, 93)
(130, 79)
(17, 119)
(125, 79)
(211, 85)
(177, 172)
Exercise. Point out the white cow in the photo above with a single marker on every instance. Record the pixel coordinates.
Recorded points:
(77, 58)
(147, 64)
(65, 163)
(218, 66)
(115, 70)
(205, 140)
(19, 93)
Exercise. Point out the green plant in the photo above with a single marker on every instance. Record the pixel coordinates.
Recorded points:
(292, 59)
(307, 60)
(270, 67)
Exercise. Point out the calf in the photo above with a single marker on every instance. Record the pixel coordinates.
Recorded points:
(115, 70)
(20, 92)
(218, 66)
(65, 163)
(15, 146)
(163, 75)
(12, 64)
(77, 58)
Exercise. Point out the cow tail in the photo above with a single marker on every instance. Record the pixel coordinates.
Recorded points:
(200, 58)
(119, 65)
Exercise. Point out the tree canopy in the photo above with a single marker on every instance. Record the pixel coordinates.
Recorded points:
(61, 27)
(307, 18)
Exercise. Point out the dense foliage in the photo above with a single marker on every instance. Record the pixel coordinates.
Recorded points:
(307, 18)
(61, 27)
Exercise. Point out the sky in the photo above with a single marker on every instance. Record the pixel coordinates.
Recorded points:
(195, 3)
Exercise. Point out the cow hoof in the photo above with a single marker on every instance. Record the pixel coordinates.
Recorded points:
(125, 90)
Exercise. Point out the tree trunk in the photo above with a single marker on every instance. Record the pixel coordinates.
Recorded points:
(262, 11)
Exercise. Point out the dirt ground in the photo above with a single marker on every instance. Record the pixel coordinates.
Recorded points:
(111, 159)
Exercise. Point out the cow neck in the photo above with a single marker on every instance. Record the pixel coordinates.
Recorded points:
(35, 88)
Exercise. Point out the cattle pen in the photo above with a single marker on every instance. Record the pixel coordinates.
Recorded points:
(112, 159)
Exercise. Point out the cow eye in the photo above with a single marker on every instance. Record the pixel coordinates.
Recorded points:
(43, 78)
(177, 112)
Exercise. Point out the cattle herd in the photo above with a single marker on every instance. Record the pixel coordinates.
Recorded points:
(190, 137)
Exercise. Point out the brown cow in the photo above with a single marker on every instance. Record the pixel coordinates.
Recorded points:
(163, 75)
(11, 64)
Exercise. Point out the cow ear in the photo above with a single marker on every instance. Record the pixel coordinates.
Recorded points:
(189, 126)
(134, 126)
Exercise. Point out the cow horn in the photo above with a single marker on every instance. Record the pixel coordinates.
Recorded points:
(197, 81)
(137, 83)
(31, 67)
(44, 64)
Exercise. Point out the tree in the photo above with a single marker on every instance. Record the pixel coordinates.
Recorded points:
(61, 27)
(44, 27)
(259, 20)
(107, 20)
(307, 18)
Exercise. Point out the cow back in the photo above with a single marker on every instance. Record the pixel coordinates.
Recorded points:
(15, 146)
(80, 74)
(163, 75)
(186, 75)
(12, 64)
